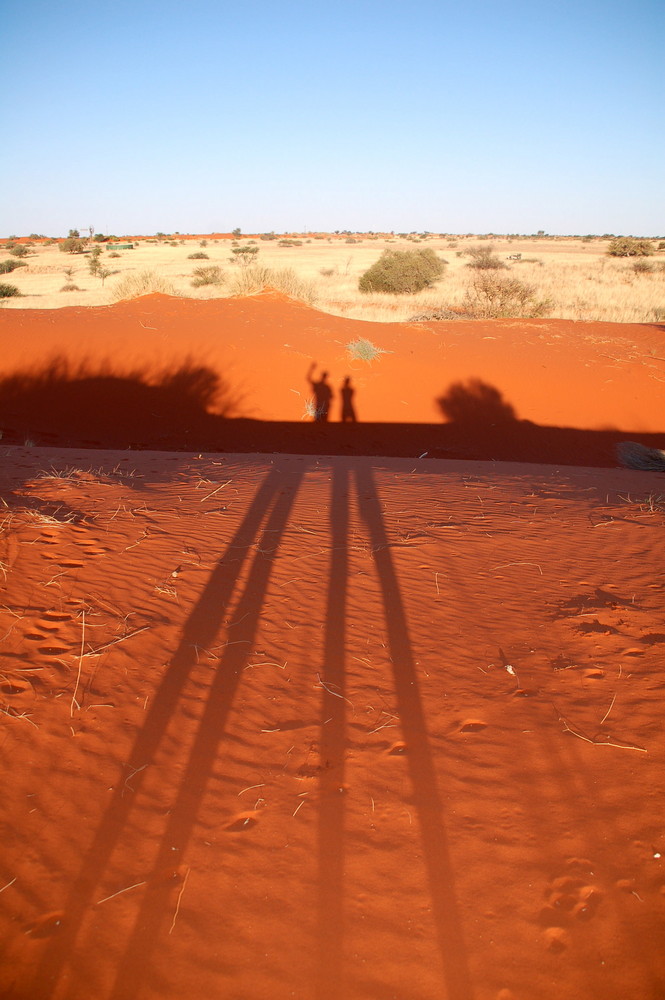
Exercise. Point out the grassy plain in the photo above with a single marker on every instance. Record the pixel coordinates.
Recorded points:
(575, 275)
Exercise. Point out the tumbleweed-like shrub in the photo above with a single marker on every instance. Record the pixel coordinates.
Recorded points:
(207, 276)
(493, 296)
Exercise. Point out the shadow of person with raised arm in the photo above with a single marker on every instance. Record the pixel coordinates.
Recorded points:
(347, 393)
(322, 394)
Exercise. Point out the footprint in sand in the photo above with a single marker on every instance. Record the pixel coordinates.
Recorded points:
(242, 822)
(53, 650)
(569, 899)
(473, 726)
(16, 686)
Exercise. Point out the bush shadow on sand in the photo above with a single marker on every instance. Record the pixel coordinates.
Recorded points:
(194, 408)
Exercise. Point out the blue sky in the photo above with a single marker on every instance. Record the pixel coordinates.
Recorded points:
(474, 116)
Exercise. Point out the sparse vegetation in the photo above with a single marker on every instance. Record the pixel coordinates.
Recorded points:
(70, 287)
(142, 283)
(8, 291)
(400, 272)
(20, 250)
(199, 255)
(255, 279)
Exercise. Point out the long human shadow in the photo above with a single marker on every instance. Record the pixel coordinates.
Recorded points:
(270, 508)
(333, 749)
(424, 783)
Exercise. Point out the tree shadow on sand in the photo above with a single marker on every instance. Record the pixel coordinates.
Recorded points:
(476, 404)
(79, 406)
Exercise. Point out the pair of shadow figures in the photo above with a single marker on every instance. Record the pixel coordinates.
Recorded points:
(323, 395)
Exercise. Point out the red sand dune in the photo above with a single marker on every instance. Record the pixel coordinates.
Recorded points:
(344, 728)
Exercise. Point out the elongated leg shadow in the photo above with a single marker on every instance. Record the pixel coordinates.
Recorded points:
(419, 755)
(277, 492)
(333, 747)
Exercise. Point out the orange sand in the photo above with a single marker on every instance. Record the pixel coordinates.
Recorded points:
(333, 727)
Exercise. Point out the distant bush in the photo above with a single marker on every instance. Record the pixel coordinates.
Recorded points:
(327, 272)
(290, 243)
(8, 291)
(643, 267)
(402, 272)
(629, 246)
(7, 266)
(115, 255)
(207, 276)
(493, 296)
(20, 250)
(484, 258)
(199, 255)
(142, 283)
(244, 255)
(70, 287)
(71, 245)
(267, 236)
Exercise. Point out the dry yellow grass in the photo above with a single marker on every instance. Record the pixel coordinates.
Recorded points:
(578, 278)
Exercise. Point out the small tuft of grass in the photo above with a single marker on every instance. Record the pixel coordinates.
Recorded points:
(364, 350)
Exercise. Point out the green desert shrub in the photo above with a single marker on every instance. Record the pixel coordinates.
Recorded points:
(8, 291)
(142, 283)
(493, 296)
(402, 272)
(199, 255)
(20, 250)
(7, 266)
(629, 246)
(207, 276)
